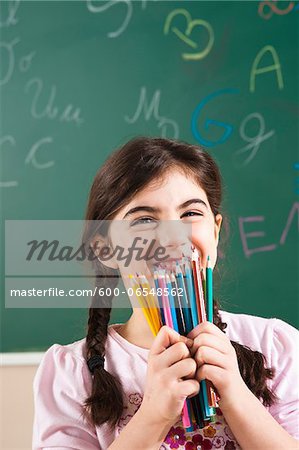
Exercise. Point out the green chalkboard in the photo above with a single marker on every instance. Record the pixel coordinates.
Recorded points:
(80, 78)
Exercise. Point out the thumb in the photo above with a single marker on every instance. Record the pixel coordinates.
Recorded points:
(167, 337)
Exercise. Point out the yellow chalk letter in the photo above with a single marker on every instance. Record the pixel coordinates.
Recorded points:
(273, 67)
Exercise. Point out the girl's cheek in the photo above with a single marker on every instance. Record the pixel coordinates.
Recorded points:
(204, 240)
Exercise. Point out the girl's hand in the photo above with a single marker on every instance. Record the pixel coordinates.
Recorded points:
(216, 360)
(170, 377)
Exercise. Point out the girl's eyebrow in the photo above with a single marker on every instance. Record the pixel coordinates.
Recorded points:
(152, 209)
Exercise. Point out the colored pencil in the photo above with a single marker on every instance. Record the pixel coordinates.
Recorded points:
(192, 296)
(173, 324)
(171, 303)
(178, 304)
(135, 286)
(151, 302)
(165, 301)
(210, 310)
(209, 289)
(183, 299)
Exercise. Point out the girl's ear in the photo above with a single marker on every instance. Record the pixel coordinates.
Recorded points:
(218, 222)
(103, 251)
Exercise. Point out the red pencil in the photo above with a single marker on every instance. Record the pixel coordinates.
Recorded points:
(200, 302)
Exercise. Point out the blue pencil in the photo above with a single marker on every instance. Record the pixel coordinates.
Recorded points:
(159, 298)
(176, 328)
(171, 304)
(191, 292)
(178, 305)
(184, 299)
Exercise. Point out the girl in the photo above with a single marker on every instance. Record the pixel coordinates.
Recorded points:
(122, 389)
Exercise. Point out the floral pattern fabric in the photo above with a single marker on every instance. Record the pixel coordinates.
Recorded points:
(216, 435)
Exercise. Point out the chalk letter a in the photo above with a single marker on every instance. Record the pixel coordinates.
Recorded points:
(274, 67)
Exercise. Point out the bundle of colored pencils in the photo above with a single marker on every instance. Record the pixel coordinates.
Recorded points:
(182, 298)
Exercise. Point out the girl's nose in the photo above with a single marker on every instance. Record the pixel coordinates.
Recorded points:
(173, 234)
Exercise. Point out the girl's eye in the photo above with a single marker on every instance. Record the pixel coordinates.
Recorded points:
(192, 213)
(141, 221)
(149, 220)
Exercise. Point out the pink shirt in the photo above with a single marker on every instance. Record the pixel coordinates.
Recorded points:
(63, 382)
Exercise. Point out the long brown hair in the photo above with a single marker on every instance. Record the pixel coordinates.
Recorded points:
(127, 171)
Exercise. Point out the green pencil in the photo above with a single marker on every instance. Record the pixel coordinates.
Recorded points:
(209, 290)
(210, 310)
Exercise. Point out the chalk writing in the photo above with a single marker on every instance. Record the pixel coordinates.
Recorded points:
(99, 7)
(9, 48)
(245, 236)
(211, 122)
(152, 110)
(51, 111)
(31, 157)
(185, 36)
(26, 61)
(272, 8)
(294, 210)
(254, 142)
(9, 140)
(255, 234)
(12, 8)
(270, 68)
(9, 67)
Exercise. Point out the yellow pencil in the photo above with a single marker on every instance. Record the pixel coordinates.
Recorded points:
(135, 287)
(151, 302)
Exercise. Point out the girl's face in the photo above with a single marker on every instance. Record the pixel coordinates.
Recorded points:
(174, 212)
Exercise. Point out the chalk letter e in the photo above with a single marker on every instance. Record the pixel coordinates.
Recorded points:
(248, 252)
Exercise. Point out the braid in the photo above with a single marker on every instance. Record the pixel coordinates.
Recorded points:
(105, 403)
(252, 366)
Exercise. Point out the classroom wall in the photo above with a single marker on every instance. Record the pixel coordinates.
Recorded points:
(16, 411)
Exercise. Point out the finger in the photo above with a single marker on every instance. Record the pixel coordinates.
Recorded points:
(186, 368)
(173, 354)
(166, 337)
(206, 327)
(187, 388)
(216, 375)
(208, 355)
(210, 340)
